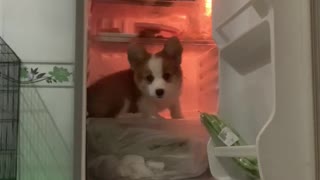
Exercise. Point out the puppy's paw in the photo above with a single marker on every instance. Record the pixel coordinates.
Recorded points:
(175, 111)
(176, 115)
(179, 116)
(160, 117)
(153, 117)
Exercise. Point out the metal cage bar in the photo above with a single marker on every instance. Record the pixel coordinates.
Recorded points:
(10, 65)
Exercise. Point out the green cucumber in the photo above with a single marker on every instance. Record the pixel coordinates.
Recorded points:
(214, 127)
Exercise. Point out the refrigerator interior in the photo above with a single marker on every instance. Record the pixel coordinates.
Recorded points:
(107, 54)
(113, 25)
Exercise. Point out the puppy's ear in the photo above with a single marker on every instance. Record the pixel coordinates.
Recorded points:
(173, 49)
(136, 55)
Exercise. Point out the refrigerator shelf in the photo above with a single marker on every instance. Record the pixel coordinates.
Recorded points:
(148, 41)
(235, 151)
(222, 166)
(163, 3)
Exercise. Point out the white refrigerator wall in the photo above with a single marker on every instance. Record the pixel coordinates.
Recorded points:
(42, 33)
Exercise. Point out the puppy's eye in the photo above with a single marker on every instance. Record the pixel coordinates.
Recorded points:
(166, 76)
(149, 78)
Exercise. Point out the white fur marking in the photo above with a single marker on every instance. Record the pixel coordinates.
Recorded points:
(151, 104)
(125, 108)
(155, 65)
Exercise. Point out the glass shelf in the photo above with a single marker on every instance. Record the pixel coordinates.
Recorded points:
(163, 3)
(148, 41)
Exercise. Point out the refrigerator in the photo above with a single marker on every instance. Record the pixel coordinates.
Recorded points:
(252, 62)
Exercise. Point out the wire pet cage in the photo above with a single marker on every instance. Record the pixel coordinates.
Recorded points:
(9, 111)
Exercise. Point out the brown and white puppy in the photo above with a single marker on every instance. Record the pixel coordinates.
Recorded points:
(152, 85)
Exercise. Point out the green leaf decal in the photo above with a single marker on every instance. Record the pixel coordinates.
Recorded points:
(40, 75)
(34, 75)
(60, 74)
(24, 73)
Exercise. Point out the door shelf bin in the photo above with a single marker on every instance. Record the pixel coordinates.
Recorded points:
(235, 151)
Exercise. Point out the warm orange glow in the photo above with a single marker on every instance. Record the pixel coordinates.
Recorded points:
(182, 16)
(200, 80)
(208, 7)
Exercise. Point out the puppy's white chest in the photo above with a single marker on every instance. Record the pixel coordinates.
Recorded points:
(157, 105)
(162, 105)
(152, 107)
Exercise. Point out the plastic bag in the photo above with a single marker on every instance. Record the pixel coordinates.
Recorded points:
(138, 149)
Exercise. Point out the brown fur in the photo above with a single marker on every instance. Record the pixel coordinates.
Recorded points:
(171, 56)
(106, 97)
(171, 67)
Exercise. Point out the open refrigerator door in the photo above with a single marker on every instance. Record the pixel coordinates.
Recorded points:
(265, 90)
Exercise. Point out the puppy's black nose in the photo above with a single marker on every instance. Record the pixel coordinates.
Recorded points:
(159, 92)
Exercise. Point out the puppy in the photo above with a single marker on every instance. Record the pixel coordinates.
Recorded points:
(151, 85)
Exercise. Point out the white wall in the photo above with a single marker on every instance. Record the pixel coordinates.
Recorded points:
(41, 30)
(42, 33)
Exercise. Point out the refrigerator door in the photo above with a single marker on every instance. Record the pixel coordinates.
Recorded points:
(265, 86)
